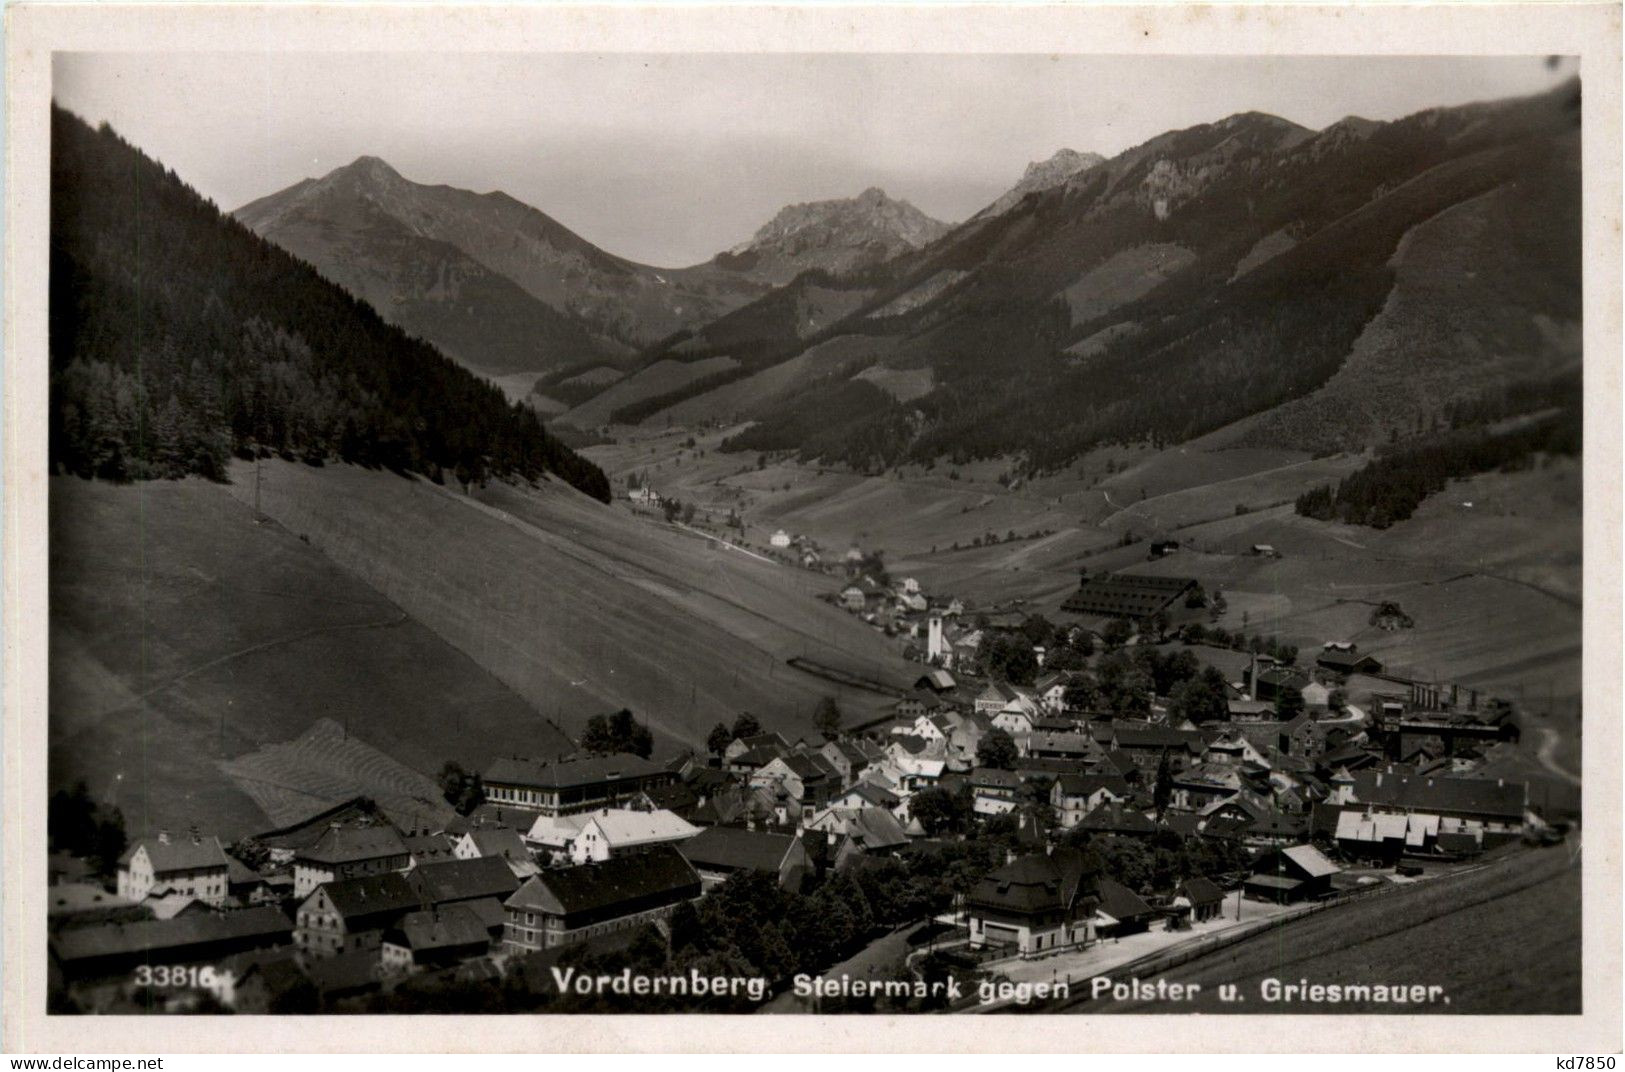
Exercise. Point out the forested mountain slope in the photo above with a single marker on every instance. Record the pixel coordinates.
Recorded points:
(1210, 275)
(178, 337)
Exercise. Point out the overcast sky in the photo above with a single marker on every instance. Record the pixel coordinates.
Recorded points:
(668, 159)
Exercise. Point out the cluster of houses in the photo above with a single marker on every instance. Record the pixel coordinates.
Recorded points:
(561, 852)
(581, 848)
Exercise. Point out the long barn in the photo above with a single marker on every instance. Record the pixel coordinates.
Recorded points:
(1127, 595)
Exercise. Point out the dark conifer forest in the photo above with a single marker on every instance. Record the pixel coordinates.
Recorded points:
(178, 338)
(1504, 430)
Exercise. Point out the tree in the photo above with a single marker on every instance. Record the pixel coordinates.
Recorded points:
(718, 740)
(110, 843)
(746, 725)
(1125, 686)
(936, 810)
(595, 736)
(1081, 693)
(1204, 698)
(1038, 631)
(1289, 703)
(1008, 657)
(997, 749)
(1159, 625)
(619, 732)
(463, 790)
(1116, 633)
(827, 718)
(1217, 606)
(1337, 701)
(1164, 787)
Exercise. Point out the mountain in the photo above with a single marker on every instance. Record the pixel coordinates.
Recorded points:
(1247, 279)
(1043, 175)
(178, 338)
(497, 284)
(833, 236)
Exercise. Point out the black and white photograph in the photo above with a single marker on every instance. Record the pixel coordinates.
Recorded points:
(816, 533)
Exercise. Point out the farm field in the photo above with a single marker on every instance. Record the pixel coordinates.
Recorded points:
(1522, 912)
(184, 634)
(582, 608)
(1491, 583)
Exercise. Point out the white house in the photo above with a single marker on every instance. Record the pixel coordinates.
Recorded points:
(193, 866)
(779, 539)
(1015, 720)
(617, 831)
(553, 835)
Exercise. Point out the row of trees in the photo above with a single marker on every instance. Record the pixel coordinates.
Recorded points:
(1390, 487)
(1273, 646)
(620, 732)
(178, 337)
(721, 735)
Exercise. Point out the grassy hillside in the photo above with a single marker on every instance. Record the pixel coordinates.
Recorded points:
(582, 610)
(659, 378)
(184, 634)
(1504, 939)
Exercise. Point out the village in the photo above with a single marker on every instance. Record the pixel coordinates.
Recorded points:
(1049, 800)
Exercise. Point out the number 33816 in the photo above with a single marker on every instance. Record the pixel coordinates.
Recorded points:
(174, 975)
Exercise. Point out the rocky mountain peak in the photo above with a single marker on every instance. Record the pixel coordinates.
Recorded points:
(835, 235)
(1042, 175)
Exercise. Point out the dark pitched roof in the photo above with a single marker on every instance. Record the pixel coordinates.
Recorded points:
(1122, 903)
(1182, 823)
(875, 829)
(994, 778)
(347, 844)
(1346, 661)
(1125, 595)
(465, 880)
(1119, 761)
(1151, 736)
(1227, 826)
(180, 854)
(730, 849)
(240, 874)
(1113, 818)
(426, 848)
(1201, 891)
(808, 768)
(874, 794)
(452, 927)
(1082, 785)
(1050, 766)
(598, 887)
(1434, 793)
(159, 935)
(371, 898)
(1037, 883)
(499, 841)
(569, 773)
